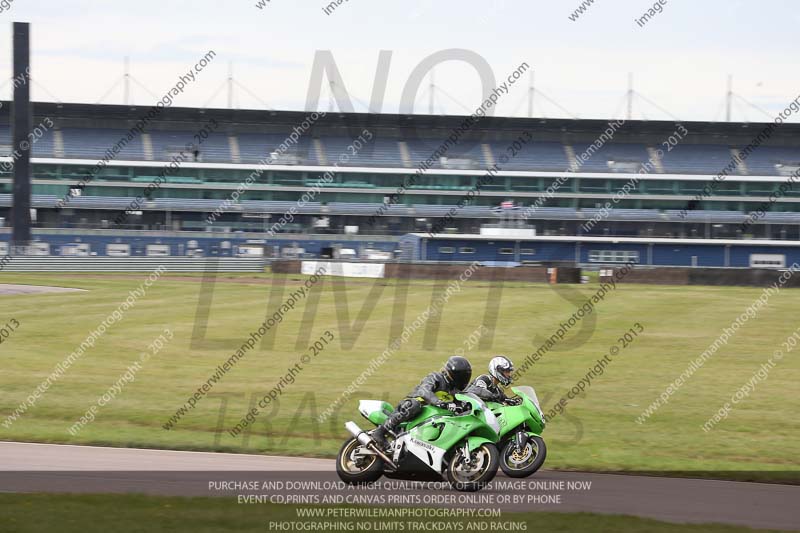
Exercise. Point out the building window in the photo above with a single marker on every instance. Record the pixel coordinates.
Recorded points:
(767, 260)
(527, 251)
(613, 256)
(506, 251)
(466, 250)
(446, 250)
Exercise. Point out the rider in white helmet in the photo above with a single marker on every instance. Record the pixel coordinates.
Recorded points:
(487, 386)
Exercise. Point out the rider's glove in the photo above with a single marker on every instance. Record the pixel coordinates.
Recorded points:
(453, 407)
(513, 401)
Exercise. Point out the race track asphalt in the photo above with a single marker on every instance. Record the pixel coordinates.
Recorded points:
(27, 467)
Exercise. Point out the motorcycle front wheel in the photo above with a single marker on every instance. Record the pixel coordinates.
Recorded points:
(523, 463)
(356, 469)
(474, 475)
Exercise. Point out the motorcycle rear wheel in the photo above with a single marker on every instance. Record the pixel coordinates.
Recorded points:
(357, 471)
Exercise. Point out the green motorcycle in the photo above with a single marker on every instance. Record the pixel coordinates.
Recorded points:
(522, 449)
(436, 443)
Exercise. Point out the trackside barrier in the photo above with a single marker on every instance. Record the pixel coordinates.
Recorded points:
(426, 270)
(724, 277)
(132, 264)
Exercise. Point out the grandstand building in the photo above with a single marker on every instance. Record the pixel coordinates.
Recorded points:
(285, 175)
(510, 250)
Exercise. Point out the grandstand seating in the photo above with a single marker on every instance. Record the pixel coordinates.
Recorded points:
(5, 139)
(710, 159)
(43, 146)
(84, 143)
(546, 156)
(697, 159)
(254, 147)
(598, 162)
(214, 149)
(419, 210)
(421, 150)
(765, 159)
(373, 171)
(377, 152)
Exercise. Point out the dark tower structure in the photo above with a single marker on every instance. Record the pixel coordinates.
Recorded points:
(21, 120)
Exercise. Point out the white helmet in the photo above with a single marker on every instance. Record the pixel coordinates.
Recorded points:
(501, 367)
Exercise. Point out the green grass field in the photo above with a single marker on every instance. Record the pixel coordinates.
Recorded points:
(598, 432)
(23, 513)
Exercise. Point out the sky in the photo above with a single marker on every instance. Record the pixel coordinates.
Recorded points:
(680, 59)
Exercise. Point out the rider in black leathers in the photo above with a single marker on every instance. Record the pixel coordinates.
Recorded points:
(437, 388)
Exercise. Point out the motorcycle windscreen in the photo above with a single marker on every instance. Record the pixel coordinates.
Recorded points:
(482, 410)
(530, 393)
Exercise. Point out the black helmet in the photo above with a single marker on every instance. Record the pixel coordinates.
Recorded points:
(457, 371)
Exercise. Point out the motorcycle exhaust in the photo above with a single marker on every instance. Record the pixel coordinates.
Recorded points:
(364, 438)
(360, 435)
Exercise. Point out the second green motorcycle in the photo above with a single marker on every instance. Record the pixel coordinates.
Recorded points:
(522, 448)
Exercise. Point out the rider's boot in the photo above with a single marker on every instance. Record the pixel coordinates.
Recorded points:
(379, 436)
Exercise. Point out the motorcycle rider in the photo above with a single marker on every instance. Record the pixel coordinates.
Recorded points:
(487, 386)
(437, 388)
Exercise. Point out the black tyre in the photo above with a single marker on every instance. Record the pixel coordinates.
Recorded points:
(357, 470)
(483, 465)
(523, 463)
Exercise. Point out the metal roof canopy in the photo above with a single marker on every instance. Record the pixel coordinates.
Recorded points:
(428, 126)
